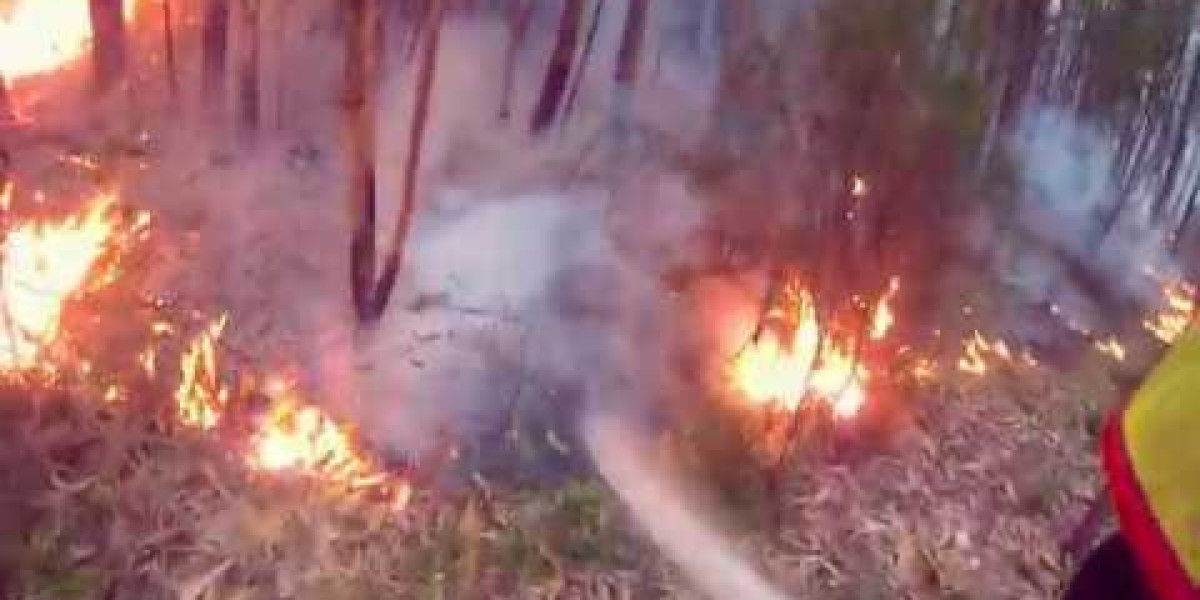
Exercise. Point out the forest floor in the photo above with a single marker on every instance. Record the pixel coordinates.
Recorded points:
(969, 496)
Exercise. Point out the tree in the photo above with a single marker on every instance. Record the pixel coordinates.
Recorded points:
(215, 41)
(420, 117)
(249, 110)
(359, 119)
(558, 72)
(172, 74)
(519, 15)
(629, 54)
(108, 46)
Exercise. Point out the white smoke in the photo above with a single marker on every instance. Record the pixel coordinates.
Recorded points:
(1066, 170)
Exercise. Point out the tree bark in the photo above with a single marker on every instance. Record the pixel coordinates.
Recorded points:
(108, 45)
(519, 14)
(249, 107)
(584, 59)
(420, 117)
(558, 72)
(629, 58)
(359, 120)
(215, 40)
(172, 73)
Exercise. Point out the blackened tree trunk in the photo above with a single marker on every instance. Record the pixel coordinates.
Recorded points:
(420, 117)
(172, 73)
(629, 57)
(6, 112)
(519, 14)
(359, 119)
(108, 45)
(215, 50)
(558, 72)
(249, 111)
(581, 69)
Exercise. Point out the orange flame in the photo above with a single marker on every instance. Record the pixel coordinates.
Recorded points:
(37, 36)
(1179, 307)
(44, 263)
(1111, 347)
(293, 436)
(882, 321)
(201, 396)
(976, 351)
(784, 373)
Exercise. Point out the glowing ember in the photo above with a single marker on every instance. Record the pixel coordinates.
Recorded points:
(37, 36)
(1112, 348)
(1179, 299)
(977, 350)
(201, 397)
(882, 321)
(858, 187)
(784, 373)
(43, 264)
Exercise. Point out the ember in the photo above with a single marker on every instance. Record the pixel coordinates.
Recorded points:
(977, 350)
(1179, 299)
(1112, 348)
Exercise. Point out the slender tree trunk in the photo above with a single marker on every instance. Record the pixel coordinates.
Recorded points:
(420, 117)
(169, 52)
(359, 119)
(249, 107)
(281, 13)
(6, 111)
(559, 70)
(581, 68)
(520, 12)
(215, 52)
(108, 45)
(629, 58)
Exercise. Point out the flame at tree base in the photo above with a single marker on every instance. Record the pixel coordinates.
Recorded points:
(795, 360)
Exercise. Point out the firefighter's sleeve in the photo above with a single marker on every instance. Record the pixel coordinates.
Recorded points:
(1151, 452)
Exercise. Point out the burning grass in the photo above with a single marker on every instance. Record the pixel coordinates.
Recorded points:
(155, 472)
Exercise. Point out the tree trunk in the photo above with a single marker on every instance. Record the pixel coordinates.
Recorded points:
(519, 14)
(280, 63)
(249, 110)
(581, 69)
(420, 117)
(215, 52)
(108, 45)
(629, 57)
(628, 62)
(172, 73)
(6, 112)
(359, 119)
(558, 72)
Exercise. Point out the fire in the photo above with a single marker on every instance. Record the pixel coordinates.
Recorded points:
(44, 263)
(201, 396)
(784, 373)
(976, 351)
(1111, 347)
(293, 436)
(37, 36)
(883, 319)
(1179, 307)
